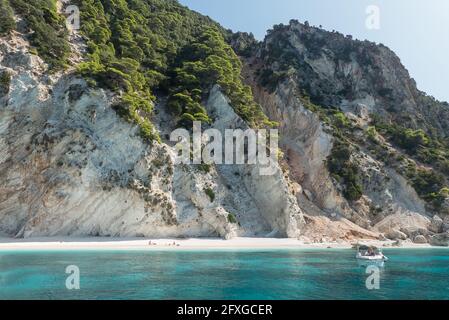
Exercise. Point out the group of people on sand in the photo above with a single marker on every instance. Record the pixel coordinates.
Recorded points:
(174, 244)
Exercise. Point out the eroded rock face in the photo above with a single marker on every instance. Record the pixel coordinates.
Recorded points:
(69, 166)
(307, 144)
(304, 142)
(336, 70)
(298, 60)
(272, 199)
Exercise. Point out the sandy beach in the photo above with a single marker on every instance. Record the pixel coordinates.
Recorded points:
(58, 243)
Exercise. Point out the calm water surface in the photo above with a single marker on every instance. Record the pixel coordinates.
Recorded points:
(281, 274)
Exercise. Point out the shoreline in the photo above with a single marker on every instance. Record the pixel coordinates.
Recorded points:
(77, 244)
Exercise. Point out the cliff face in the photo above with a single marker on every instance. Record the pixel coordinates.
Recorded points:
(335, 70)
(358, 81)
(70, 165)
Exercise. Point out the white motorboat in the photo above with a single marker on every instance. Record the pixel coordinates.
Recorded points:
(370, 255)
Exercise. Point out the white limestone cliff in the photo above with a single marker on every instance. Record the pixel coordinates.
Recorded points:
(70, 166)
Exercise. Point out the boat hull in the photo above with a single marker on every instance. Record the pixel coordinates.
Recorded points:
(377, 260)
(366, 263)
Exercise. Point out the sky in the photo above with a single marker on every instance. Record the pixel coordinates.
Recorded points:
(417, 30)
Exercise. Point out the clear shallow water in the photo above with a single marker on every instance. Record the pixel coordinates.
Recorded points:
(282, 274)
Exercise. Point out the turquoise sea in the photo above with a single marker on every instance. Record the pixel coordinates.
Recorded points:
(251, 274)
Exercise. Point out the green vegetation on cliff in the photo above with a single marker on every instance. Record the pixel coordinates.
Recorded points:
(210, 193)
(232, 218)
(47, 30)
(429, 185)
(207, 61)
(140, 47)
(344, 170)
(7, 22)
(5, 83)
(417, 144)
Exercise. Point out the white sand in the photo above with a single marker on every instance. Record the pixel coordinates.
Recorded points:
(58, 243)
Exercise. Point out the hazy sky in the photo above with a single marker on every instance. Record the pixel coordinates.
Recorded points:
(417, 30)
